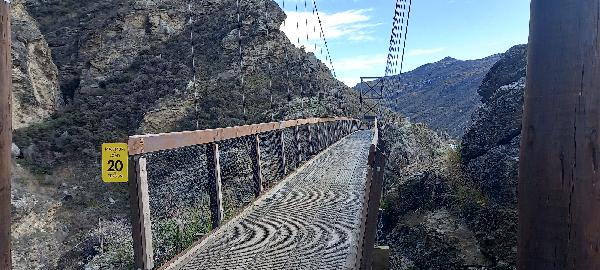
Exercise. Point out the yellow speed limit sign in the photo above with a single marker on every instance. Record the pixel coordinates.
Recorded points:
(114, 162)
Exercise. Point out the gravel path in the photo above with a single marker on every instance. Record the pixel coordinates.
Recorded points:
(309, 221)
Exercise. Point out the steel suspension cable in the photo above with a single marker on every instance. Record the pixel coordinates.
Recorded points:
(321, 105)
(269, 62)
(300, 63)
(405, 35)
(396, 52)
(287, 70)
(241, 59)
(194, 86)
(322, 34)
(326, 45)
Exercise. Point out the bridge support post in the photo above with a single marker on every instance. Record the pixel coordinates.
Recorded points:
(348, 127)
(327, 135)
(282, 158)
(319, 138)
(298, 148)
(5, 135)
(334, 132)
(257, 166)
(559, 179)
(214, 182)
(310, 141)
(139, 200)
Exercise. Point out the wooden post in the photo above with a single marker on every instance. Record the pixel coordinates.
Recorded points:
(310, 141)
(282, 159)
(319, 138)
(559, 170)
(334, 132)
(216, 193)
(327, 134)
(5, 135)
(256, 166)
(347, 127)
(298, 148)
(140, 214)
(374, 191)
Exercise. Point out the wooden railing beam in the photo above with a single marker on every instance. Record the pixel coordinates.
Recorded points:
(149, 143)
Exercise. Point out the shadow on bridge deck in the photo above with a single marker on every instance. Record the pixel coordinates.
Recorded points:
(311, 220)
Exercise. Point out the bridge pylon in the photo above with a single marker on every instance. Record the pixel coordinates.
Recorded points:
(559, 176)
(5, 134)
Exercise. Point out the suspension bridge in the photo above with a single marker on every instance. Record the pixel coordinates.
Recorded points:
(309, 189)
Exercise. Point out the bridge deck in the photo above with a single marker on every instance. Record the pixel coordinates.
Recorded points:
(309, 221)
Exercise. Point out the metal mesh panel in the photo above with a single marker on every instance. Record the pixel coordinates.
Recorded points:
(290, 149)
(270, 152)
(179, 202)
(236, 174)
(303, 142)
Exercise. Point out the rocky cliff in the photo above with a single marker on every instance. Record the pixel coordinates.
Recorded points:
(490, 148)
(125, 67)
(35, 76)
(442, 94)
(454, 206)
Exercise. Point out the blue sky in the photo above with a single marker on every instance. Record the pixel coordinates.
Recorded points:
(358, 31)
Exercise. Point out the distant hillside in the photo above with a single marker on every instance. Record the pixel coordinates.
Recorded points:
(441, 94)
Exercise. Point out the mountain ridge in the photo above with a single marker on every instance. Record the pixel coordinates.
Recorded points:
(442, 94)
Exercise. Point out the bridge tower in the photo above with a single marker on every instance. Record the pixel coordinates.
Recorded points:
(559, 173)
(5, 134)
(372, 96)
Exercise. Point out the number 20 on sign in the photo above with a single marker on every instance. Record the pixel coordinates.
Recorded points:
(114, 162)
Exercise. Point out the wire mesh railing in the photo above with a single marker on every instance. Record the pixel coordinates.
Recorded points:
(184, 185)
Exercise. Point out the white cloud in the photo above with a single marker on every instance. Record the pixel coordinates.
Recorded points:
(420, 52)
(363, 63)
(352, 24)
(350, 81)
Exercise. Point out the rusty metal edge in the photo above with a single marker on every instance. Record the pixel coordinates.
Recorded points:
(360, 256)
(142, 144)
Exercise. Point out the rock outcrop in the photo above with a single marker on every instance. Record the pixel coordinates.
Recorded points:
(490, 146)
(35, 77)
(490, 156)
(511, 67)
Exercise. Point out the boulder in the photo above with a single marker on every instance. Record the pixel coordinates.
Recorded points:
(507, 70)
(15, 151)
